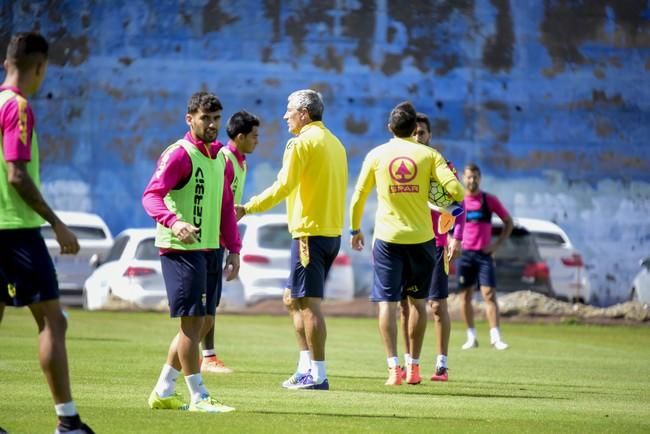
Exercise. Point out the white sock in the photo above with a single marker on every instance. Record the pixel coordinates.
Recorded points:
(65, 409)
(393, 362)
(209, 353)
(407, 359)
(318, 372)
(415, 361)
(441, 361)
(495, 336)
(304, 362)
(196, 386)
(166, 384)
(471, 334)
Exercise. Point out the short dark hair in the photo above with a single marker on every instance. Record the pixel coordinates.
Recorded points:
(402, 119)
(206, 101)
(27, 48)
(473, 167)
(421, 118)
(241, 122)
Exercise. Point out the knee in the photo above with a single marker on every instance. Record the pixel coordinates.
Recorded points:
(489, 294)
(435, 308)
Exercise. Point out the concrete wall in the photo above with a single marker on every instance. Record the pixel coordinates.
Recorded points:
(551, 98)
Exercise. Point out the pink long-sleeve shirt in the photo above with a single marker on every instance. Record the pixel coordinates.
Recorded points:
(174, 170)
(17, 126)
(477, 235)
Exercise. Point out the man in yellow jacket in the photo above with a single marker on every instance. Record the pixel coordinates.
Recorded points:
(313, 180)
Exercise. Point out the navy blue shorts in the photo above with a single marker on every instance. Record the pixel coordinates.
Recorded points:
(27, 274)
(192, 280)
(402, 270)
(311, 259)
(440, 280)
(475, 267)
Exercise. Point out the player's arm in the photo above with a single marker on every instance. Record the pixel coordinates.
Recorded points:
(456, 238)
(24, 184)
(441, 172)
(173, 170)
(365, 184)
(293, 162)
(508, 225)
(18, 124)
(228, 228)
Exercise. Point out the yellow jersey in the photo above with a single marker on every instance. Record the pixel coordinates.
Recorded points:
(402, 170)
(313, 179)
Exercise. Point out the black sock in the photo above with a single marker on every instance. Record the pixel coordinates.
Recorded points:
(70, 422)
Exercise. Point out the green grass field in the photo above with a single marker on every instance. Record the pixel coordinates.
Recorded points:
(554, 378)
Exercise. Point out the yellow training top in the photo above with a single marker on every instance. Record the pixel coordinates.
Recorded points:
(313, 179)
(402, 170)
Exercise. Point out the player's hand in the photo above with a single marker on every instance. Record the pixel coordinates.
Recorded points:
(185, 232)
(357, 242)
(455, 249)
(231, 269)
(240, 211)
(66, 238)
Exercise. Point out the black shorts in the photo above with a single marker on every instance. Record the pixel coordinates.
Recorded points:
(311, 260)
(440, 280)
(475, 267)
(192, 281)
(27, 274)
(402, 270)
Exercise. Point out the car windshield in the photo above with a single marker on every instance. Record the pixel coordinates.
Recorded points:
(118, 247)
(82, 232)
(519, 245)
(274, 236)
(548, 239)
(146, 250)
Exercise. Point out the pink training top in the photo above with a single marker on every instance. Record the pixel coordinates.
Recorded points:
(477, 235)
(17, 125)
(174, 170)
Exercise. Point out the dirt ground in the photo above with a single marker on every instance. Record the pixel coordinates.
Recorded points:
(519, 306)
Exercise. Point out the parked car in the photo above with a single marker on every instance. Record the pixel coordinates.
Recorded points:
(132, 273)
(569, 277)
(641, 283)
(132, 270)
(72, 270)
(519, 264)
(265, 261)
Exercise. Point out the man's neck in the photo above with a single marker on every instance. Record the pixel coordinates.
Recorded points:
(13, 80)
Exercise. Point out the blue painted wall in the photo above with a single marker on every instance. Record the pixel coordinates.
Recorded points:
(551, 98)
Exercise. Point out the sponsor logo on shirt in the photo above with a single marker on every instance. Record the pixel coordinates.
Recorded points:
(199, 191)
(403, 170)
(22, 118)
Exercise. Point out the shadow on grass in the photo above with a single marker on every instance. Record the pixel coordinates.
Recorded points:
(79, 338)
(369, 416)
(422, 389)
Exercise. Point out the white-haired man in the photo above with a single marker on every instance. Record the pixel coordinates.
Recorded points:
(313, 179)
